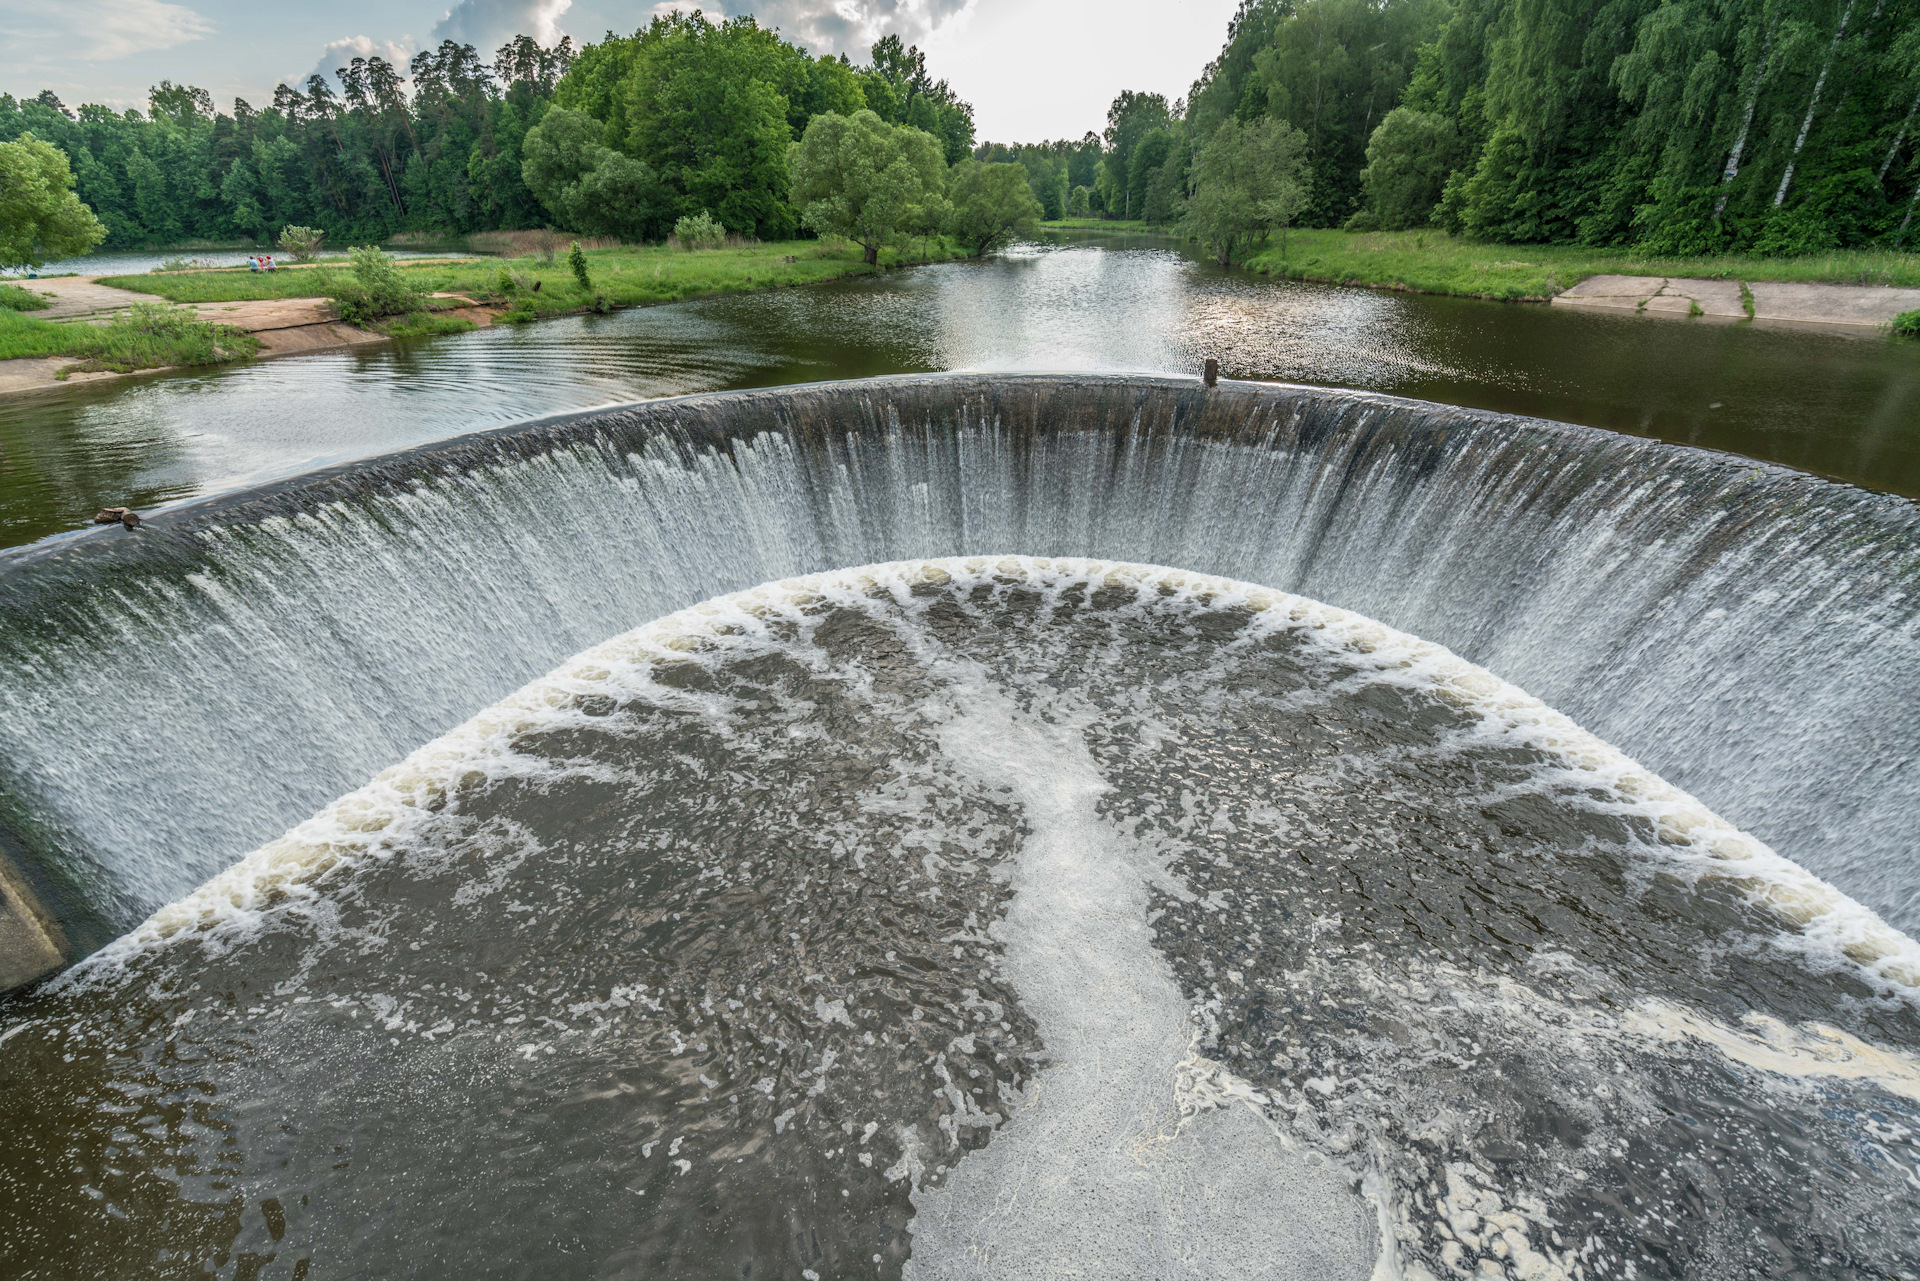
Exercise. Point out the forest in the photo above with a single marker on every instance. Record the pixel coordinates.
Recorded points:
(1673, 126)
(622, 137)
(1670, 126)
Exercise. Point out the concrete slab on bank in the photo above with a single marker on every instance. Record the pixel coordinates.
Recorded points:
(1856, 308)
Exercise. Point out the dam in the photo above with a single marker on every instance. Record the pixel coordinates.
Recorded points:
(774, 795)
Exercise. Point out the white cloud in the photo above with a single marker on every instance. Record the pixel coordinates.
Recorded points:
(339, 53)
(840, 26)
(488, 24)
(97, 30)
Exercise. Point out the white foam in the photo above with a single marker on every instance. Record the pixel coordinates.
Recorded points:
(1129, 1155)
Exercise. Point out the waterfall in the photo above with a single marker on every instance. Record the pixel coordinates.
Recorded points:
(172, 698)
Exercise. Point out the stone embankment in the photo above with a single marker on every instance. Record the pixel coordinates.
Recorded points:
(1835, 308)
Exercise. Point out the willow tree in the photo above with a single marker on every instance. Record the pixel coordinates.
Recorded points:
(1251, 179)
(991, 204)
(40, 217)
(858, 176)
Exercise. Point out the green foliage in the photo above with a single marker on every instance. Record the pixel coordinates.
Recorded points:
(1130, 119)
(377, 288)
(1408, 159)
(860, 177)
(148, 336)
(302, 242)
(699, 231)
(1906, 324)
(1333, 68)
(14, 298)
(577, 264)
(899, 89)
(588, 186)
(992, 204)
(1782, 127)
(426, 324)
(1251, 179)
(40, 216)
(681, 116)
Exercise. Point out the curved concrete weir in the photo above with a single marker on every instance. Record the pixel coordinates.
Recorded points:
(171, 698)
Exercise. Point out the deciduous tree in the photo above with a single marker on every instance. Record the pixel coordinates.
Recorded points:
(858, 176)
(992, 205)
(40, 216)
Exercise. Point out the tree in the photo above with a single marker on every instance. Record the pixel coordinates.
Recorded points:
(858, 176)
(40, 216)
(1408, 159)
(1131, 117)
(1251, 179)
(589, 187)
(992, 204)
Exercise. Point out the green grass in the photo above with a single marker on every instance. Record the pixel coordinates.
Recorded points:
(628, 276)
(14, 298)
(148, 336)
(1907, 324)
(1101, 224)
(1433, 262)
(425, 324)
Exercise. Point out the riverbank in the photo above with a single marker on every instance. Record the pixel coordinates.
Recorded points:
(287, 311)
(1432, 262)
(532, 286)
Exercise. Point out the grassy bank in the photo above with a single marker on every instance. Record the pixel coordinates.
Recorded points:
(626, 276)
(1103, 224)
(14, 298)
(1432, 262)
(148, 336)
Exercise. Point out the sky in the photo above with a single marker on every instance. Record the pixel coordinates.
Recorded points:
(1032, 69)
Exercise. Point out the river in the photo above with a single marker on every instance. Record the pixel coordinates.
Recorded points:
(1835, 405)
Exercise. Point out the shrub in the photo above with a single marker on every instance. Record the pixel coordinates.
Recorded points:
(1907, 324)
(376, 288)
(577, 262)
(699, 231)
(14, 298)
(302, 242)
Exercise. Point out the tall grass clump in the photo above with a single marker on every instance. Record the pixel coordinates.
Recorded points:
(14, 298)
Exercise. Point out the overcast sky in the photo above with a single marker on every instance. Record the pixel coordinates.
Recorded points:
(1032, 68)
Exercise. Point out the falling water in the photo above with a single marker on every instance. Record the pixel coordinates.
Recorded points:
(177, 696)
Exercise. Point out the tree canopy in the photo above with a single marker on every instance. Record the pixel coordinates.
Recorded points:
(858, 176)
(992, 205)
(40, 217)
(1252, 178)
(682, 116)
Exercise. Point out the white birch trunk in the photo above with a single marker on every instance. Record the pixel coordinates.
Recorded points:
(1899, 138)
(1732, 170)
(1806, 125)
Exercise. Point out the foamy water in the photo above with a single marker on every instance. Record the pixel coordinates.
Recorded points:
(991, 917)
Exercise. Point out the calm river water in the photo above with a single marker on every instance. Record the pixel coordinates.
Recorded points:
(1841, 406)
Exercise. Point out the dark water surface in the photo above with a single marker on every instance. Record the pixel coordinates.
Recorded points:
(1841, 406)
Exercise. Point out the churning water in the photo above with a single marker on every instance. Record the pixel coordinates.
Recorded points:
(992, 919)
(977, 917)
